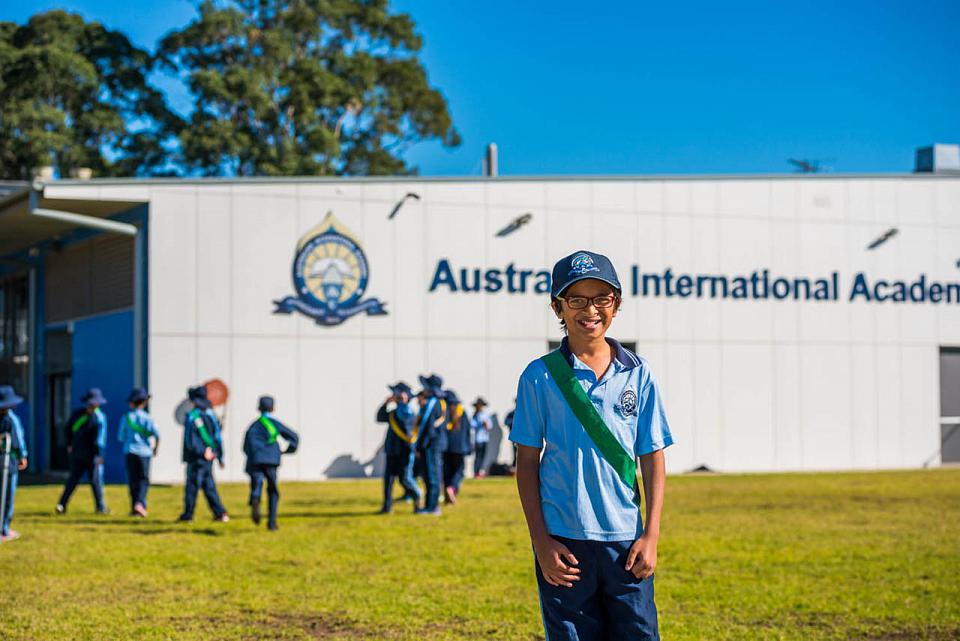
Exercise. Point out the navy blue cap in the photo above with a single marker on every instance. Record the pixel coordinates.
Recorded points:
(138, 395)
(452, 397)
(579, 266)
(93, 396)
(265, 404)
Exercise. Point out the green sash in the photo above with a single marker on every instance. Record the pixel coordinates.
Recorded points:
(202, 429)
(80, 422)
(136, 427)
(271, 429)
(623, 462)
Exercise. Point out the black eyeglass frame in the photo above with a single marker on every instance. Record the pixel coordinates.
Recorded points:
(614, 301)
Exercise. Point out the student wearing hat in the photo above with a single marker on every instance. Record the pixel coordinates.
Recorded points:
(263, 458)
(592, 409)
(430, 421)
(11, 428)
(434, 384)
(399, 444)
(86, 443)
(458, 445)
(481, 423)
(135, 432)
(201, 445)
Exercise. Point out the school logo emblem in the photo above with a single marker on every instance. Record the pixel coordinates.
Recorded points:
(628, 403)
(330, 275)
(581, 264)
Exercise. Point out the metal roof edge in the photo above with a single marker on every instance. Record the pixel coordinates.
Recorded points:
(100, 182)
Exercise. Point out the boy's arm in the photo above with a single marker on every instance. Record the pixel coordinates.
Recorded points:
(291, 437)
(554, 558)
(642, 559)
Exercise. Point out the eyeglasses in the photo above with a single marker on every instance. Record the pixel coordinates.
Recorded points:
(580, 302)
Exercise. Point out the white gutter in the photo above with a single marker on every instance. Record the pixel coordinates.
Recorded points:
(86, 221)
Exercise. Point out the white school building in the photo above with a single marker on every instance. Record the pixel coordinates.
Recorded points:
(807, 322)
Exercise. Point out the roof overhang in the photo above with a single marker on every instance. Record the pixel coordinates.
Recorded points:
(28, 219)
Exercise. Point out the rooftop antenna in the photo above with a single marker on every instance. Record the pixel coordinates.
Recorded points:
(491, 163)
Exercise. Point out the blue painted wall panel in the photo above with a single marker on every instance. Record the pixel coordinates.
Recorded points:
(103, 357)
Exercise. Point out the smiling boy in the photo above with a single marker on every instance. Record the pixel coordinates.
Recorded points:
(592, 409)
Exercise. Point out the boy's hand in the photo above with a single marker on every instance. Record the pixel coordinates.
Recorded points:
(22, 465)
(208, 454)
(642, 559)
(556, 562)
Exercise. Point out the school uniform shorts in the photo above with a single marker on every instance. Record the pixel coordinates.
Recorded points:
(606, 604)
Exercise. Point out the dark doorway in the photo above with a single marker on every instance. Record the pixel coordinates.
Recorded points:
(59, 382)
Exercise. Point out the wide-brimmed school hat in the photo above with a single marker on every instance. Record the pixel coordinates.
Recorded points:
(579, 266)
(265, 404)
(199, 397)
(93, 396)
(452, 398)
(434, 382)
(138, 395)
(400, 388)
(8, 397)
(480, 401)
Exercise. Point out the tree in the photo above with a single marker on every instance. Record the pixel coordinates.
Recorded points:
(310, 87)
(74, 94)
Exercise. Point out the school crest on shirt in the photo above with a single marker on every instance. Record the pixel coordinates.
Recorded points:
(628, 403)
(330, 276)
(582, 264)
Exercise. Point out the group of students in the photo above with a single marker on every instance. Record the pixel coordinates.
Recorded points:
(86, 431)
(431, 439)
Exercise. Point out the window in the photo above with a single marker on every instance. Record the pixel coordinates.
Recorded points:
(15, 333)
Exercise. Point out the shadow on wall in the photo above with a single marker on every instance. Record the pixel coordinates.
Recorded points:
(345, 466)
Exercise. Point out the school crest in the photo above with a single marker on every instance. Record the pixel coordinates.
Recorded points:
(628, 403)
(330, 276)
(582, 264)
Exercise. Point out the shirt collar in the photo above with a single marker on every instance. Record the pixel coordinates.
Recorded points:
(621, 357)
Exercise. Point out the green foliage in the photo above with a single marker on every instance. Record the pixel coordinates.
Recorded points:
(303, 87)
(74, 94)
(787, 556)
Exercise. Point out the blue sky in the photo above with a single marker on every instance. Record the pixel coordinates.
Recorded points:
(661, 88)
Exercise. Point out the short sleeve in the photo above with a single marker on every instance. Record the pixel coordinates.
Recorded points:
(529, 425)
(653, 430)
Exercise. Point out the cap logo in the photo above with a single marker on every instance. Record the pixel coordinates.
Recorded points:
(582, 264)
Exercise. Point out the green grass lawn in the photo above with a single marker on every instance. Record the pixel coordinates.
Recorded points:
(824, 556)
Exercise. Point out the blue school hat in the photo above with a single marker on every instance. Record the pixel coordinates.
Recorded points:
(452, 397)
(138, 395)
(199, 397)
(433, 382)
(8, 397)
(401, 388)
(579, 266)
(265, 404)
(93, 396)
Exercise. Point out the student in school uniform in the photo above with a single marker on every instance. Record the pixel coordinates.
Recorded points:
(586, 413)
(429, 449)
(202, 444)
(263, 458)
(140, 439)
(399, 444)
(482, 423)
(86, 444)
(458, 446)
(11, 431)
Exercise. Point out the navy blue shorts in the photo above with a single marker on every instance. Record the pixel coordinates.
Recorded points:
(606, 603)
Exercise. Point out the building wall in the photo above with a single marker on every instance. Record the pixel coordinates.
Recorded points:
(750, 385)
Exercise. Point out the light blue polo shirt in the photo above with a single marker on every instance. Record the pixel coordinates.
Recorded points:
(134, 442)
(582, 496)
